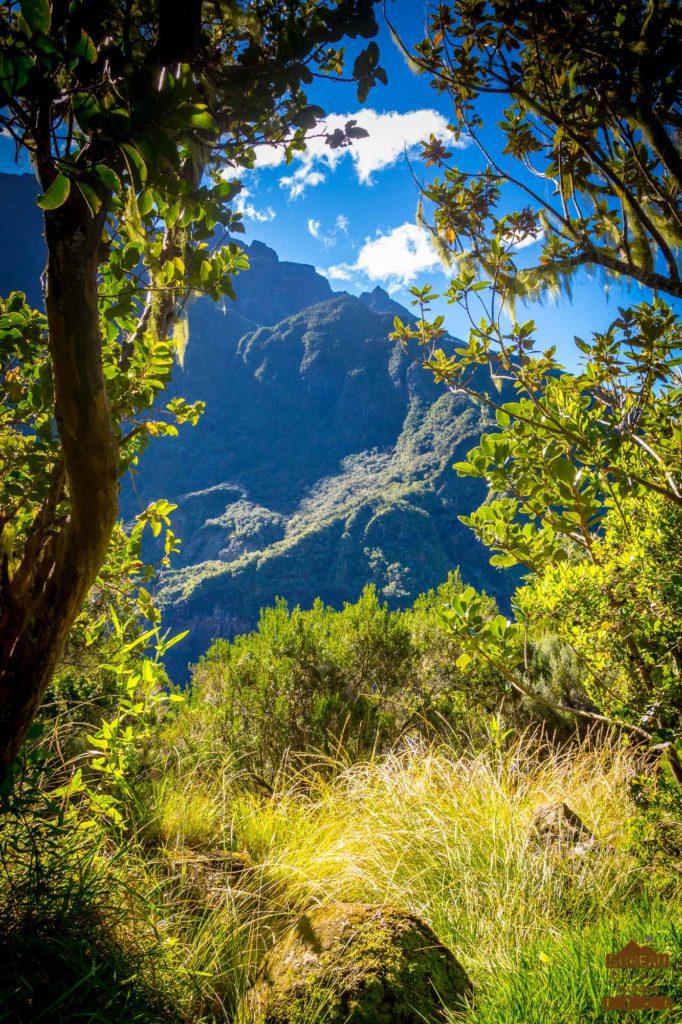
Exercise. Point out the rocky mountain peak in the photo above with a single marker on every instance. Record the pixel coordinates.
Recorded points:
(274, 289)
(381, 302)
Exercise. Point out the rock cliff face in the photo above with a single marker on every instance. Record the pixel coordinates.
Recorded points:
(322, 463)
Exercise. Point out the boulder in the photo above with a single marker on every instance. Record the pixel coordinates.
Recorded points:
(556, 824)
(205, 879)
(351, 963)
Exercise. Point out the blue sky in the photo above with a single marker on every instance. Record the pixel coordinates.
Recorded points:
(355, 220)
(351, 213)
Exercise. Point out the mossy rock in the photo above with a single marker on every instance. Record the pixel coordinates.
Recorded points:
(350, 963)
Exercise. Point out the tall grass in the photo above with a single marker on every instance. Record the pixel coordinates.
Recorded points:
(447, 836)
(451, 838)
(79, 931)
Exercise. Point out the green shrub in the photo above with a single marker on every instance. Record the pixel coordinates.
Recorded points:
(335, 683)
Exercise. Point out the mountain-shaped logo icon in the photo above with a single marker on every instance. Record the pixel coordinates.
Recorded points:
(633, 955)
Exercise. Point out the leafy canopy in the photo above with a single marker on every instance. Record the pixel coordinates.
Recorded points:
(589, 98)
(584, 471)
(584, 475)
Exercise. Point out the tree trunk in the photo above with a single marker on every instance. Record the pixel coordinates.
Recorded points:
(42, 600)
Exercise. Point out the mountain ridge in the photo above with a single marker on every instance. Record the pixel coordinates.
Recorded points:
(334, 471)
(322, 462)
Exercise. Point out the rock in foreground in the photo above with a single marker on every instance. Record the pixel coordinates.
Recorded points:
(358, 964)
(556, 824)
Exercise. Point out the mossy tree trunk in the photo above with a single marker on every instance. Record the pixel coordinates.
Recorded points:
(63, 554)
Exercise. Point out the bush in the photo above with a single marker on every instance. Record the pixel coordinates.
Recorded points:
(337, 683)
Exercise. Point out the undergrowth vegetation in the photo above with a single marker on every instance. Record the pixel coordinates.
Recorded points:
(349, 683)
(168, 916)
(149, 863)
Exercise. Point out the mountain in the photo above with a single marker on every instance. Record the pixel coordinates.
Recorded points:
(381, 302)
(323, 460)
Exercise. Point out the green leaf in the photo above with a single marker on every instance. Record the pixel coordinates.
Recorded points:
(465, 469)
(85, 107)
(504, 561)
(107, 176)
(136, 165)
(563, 470)
(203, 120)
(363, 89)
(14, 72)
(85, 49)
(56, 195)
(90, 196)
(366, 61)
(171, 643)
(145, 202)
(308, 117)
(36, 14)
(172, 213)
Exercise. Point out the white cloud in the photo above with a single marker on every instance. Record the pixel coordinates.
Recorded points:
(391, 134)
(268, 156)
(399, 256)
(396, 258)
(342, 272)
(328, 239)
(303, 177)
(249, 211)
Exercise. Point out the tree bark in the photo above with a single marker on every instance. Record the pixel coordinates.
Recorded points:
(40, 604)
